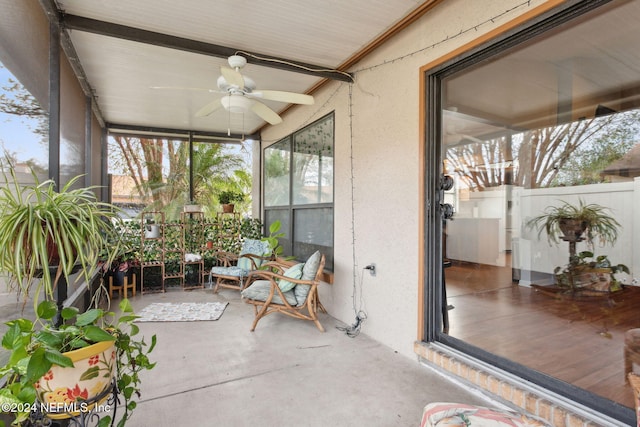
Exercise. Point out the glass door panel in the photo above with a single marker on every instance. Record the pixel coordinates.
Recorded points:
(531, 136)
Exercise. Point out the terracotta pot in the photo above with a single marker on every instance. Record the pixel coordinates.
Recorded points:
(228, 208)
(93, 370)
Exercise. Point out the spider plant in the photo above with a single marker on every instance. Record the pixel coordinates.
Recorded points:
(46, 235)
(592, 221)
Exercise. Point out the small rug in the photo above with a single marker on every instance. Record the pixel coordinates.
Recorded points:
(181, 312)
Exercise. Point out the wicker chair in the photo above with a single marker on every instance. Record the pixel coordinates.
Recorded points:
(286, 289)
(236, 267)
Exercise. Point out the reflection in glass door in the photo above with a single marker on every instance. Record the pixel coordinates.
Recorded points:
(534, 137)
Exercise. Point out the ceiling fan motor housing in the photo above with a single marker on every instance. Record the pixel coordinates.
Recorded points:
(237, 61)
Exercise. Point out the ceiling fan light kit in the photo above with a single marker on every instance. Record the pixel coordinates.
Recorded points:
(241, 94)
(236, 103)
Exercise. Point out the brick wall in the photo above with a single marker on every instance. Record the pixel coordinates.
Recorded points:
(508, 392)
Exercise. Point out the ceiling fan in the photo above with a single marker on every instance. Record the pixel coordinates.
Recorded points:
(243, 97)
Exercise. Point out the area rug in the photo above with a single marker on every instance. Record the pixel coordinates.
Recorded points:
(181, 312)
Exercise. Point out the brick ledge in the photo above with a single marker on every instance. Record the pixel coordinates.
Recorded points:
(509, 390)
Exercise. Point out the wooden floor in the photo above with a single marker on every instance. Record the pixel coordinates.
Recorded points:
(578, 340)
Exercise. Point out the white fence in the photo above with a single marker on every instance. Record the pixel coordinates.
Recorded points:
(490, 224)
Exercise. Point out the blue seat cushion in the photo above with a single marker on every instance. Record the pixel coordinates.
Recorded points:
(253, 247)
(229, 271)
(260, 289)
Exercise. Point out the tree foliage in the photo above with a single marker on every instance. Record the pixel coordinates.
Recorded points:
(159, 171)
(568, 154)
(15, 100)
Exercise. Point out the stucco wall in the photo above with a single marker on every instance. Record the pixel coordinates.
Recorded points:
(377, 165)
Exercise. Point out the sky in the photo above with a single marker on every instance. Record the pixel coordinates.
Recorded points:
(15, 134)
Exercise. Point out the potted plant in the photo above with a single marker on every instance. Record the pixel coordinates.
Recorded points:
(228, 198)
(587, 274)
(575, 223)
(47, 236)
(48, 371)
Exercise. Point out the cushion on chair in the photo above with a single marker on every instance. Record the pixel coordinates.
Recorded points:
(259, 291)
(254, 247)
(309, 272)
(244, 263)
(301, 291)
(311, 266)
(229, 271)
(295, 272)
(460, 414)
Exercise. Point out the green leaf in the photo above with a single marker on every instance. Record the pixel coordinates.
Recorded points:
(47, 310)
(49, 339)
(128, 319)
(89, 317)
(18, 354)
(6, 397)
(38, 365)
(27, 393)
(125, 306)
(10, 337)
(105, 421)
(274, 227)
(154, 340)
(69, 312)
(134, 330)
(57, 358)
(96, 334)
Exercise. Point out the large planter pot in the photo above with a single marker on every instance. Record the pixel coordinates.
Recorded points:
(228, 208)
(67, 388)
(588, 281)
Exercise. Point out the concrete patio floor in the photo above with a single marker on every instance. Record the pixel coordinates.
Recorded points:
(286, 373)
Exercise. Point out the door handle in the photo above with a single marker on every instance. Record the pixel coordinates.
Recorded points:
(447, 210)
(446, 182)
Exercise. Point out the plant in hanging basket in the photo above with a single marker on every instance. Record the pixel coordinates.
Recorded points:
(47, 235)
(572, 222)
(70, 365)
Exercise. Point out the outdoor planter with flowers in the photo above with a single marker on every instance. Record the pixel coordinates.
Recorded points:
(73, 366)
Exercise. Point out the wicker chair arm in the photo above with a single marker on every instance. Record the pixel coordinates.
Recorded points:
(273, 277)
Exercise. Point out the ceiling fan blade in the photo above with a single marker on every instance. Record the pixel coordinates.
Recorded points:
(232, 77)
(288, 97)
(209, 108)
(266, 113)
